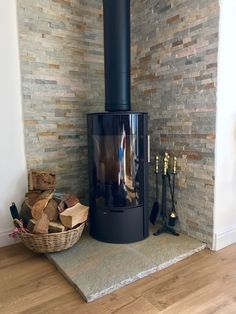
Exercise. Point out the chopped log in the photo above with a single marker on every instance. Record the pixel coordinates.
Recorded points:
(62, 206)
(53, 227)
(39, 179)
(25, 212)
(44, 198)
(41, 225)
(56, 226)
(74, 215)
(32, 197)
(58, 200)
(71, 200)
(31, 225)
(51, 210)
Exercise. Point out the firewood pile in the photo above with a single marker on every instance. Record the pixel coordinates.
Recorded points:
(48, 223)
(43, 212)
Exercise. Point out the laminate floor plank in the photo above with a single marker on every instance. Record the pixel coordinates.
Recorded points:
(203, 283)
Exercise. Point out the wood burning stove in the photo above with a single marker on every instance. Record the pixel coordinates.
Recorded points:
(118, 143)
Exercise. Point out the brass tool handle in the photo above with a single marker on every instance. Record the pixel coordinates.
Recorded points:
(166, 163)
(157, 164)
(175, 165)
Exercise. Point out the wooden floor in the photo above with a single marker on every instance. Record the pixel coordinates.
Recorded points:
(203, 283)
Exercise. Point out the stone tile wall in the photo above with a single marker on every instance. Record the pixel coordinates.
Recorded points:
(61, 52)
(174, 49)
(174, 65)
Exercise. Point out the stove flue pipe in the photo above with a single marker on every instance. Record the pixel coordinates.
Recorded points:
(117, 54)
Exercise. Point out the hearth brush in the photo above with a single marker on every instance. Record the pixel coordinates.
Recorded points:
(155, 207)
(173, 215)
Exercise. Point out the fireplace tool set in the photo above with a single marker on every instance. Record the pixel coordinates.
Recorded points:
(160, 213)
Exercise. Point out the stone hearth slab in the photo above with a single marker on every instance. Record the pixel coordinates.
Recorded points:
(95, 268)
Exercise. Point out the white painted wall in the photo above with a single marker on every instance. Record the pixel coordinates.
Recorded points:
(225, 187)
(13, 179)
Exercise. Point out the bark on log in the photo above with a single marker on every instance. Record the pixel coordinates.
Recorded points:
(32, 196)
(69, 200)
(25, 212)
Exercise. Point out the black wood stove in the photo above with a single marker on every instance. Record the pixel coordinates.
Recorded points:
(118, 143)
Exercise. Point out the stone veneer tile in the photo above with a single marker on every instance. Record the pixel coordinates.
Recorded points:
(61, 51)
(174, 70)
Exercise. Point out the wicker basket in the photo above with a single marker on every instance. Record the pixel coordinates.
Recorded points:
(51, 242)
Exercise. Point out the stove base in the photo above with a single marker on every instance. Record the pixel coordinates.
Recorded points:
(118, 226)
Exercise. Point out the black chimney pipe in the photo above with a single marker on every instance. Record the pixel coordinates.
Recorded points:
(117, 54)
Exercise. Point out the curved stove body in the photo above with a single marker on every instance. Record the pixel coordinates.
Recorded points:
(118, 165)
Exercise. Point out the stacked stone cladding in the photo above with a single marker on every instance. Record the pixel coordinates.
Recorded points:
(174, 70)
(61, 52)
